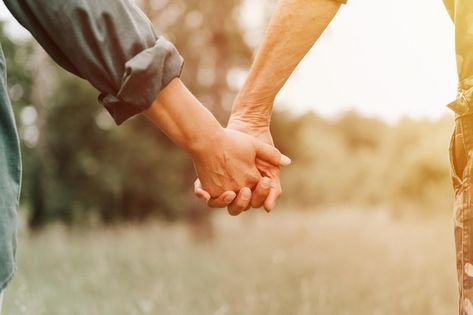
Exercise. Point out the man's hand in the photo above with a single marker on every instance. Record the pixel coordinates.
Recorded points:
(267, 190)
(225, 159)
(228, 163)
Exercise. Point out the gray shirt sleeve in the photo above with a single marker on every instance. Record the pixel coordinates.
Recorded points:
(110, 43)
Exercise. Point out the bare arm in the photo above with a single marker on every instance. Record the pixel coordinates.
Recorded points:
(294, 28)
(171, 111)
(224, 159)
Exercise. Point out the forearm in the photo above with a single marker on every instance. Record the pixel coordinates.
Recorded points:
(183, 118)
(294, 28)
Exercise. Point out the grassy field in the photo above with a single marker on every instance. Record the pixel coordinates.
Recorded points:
(338, 262)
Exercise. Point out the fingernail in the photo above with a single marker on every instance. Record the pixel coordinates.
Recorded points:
(246, 194)
(201, 195)
(228, 198)
(285, 161)
(265, 182)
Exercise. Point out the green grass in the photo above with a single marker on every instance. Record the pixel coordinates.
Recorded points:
(339, 262)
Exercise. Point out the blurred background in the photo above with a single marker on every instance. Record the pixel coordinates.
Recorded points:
(109, 224)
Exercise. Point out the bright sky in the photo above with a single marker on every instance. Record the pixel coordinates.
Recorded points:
(382, 57)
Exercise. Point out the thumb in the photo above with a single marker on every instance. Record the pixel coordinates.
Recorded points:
(270, 154)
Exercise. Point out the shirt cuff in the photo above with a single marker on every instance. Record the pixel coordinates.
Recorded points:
(146, 74)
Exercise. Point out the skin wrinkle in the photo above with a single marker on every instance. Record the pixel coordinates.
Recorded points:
(221, 175)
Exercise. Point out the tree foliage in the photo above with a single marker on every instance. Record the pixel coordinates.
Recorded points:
(355, 160)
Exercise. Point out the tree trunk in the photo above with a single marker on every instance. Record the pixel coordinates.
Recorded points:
(41, 89)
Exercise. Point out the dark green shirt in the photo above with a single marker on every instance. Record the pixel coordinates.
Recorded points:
(10, 179)
(109, 43)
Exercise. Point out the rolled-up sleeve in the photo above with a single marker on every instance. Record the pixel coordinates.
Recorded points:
(111, 44)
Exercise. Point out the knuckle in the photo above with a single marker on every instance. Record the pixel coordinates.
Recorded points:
(212, 191)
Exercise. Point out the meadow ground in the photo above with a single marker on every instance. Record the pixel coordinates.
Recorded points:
(286, 263)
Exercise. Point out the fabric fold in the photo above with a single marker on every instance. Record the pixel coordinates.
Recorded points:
(145, 76)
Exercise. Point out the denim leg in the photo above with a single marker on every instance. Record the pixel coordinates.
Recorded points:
(461, 155)
(1, 302)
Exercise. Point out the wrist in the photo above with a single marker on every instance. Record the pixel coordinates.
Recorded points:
(259, 131)
(250, 119)
(184, 119)
(252, 111)
(247, 124)
(205, 141)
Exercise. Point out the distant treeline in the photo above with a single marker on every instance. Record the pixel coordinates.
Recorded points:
(354, 160)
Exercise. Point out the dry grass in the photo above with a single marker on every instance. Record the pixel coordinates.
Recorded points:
(339, 262)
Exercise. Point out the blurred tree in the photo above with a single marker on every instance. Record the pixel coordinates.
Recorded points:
(41, 72)
(361, 133)
(362, 161)
(80, 167)
(211, 41)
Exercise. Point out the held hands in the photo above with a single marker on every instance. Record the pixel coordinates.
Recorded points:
(236, 162)
(238, 166)
(263, 188)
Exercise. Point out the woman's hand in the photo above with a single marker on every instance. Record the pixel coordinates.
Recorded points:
(263, 196)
